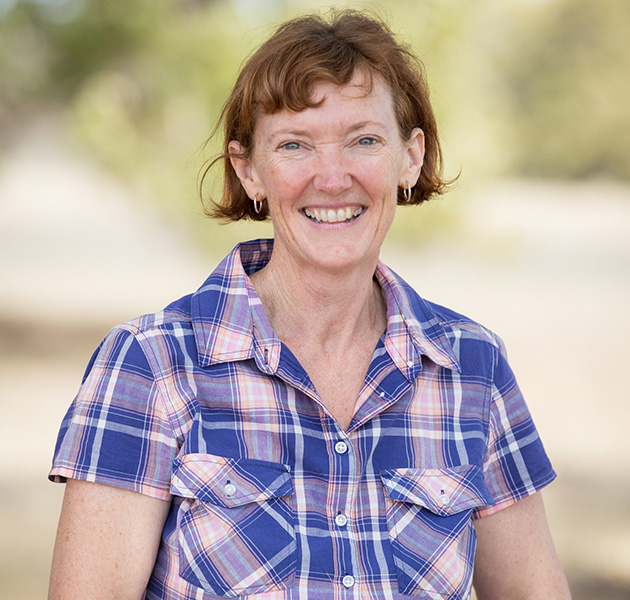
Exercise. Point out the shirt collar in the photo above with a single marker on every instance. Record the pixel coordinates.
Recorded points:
(230, 323)
(413, 328)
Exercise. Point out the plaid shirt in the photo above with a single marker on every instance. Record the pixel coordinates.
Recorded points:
(202, 405)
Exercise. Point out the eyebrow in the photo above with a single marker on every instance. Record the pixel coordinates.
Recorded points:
(306, 132)
(363, 124)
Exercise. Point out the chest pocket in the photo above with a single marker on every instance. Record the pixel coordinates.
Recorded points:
(236, 524)
(431, 533)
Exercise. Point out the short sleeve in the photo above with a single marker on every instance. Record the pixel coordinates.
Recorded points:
(117, 431)
(516, 464)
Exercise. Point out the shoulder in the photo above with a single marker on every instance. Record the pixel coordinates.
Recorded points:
(176, 314)
(428, 314)
(457, 325)
(143, 343)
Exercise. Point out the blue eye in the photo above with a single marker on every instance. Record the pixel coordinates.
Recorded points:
(367, 141)
(291, 146)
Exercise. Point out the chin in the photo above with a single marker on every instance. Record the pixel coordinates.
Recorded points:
(343, 259)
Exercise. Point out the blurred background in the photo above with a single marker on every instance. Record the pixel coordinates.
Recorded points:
(104, 112)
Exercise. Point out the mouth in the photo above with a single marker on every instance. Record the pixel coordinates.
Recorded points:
(331, 215)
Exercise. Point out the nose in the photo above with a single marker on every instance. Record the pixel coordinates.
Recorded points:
(332, 175)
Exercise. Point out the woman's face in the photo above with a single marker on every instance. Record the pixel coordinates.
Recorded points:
(330, 174)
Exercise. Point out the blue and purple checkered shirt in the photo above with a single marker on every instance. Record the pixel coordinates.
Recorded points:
(202, 405)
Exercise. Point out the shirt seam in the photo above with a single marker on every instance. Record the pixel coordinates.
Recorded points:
(152, 362)
(137, 329)
(471, 327)
(490, 398)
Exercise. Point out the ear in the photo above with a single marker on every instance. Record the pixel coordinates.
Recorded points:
(415, 158)
(244, 170)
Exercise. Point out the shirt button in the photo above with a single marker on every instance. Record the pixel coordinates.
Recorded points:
(348, 581)
(382, 395)
(443, 499)
(229, 489)
(341, 447)
(341, 520)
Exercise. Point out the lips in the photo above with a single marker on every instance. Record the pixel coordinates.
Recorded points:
(331, 215)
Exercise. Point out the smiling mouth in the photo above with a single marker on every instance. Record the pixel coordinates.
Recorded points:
(341, 215)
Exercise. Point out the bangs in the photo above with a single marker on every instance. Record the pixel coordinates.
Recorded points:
(287, 82)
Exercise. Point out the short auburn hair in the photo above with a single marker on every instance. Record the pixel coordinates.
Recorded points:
(306, 50)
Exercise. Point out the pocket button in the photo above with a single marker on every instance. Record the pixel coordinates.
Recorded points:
(443, 499)
(229, 489)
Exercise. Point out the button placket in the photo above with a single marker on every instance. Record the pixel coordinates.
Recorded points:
(341, 531)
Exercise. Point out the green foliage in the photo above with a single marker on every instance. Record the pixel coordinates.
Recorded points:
(520, 87)
(567, 75)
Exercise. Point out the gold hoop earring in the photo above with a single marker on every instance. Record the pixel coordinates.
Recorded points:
(257, 204)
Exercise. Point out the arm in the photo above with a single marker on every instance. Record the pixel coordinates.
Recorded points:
(516, 559)
(106, 544)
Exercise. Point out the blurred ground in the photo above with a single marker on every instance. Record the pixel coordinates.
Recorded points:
(545, 265)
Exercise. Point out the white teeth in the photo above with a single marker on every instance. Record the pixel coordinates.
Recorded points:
(332, 216)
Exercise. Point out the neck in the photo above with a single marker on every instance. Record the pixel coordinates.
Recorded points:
(306, 304)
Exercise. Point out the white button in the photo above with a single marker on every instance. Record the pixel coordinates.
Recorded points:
(341, 447)
(382, 394)
(341, 520)
(410, 363)
(443, 499)
(229, 489)
(348, 581)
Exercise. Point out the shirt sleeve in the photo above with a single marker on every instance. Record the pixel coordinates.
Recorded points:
(516, 464)
(117, 431)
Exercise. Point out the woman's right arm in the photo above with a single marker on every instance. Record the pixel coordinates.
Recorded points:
(107, 542)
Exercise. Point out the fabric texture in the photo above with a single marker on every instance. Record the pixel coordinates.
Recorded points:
(202, 405)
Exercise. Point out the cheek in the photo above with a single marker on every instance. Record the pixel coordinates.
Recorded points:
(283, 193)
(284, 182)
(381, 183)
(381, 172)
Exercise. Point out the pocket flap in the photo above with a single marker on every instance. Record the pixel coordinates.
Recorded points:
(229, 482)
(442, 491)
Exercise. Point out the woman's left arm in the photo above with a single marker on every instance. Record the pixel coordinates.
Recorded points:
(516, 558)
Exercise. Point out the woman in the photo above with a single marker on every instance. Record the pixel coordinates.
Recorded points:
(305, 425)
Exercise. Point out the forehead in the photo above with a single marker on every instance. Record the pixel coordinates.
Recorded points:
(363, 98)
(361, 85)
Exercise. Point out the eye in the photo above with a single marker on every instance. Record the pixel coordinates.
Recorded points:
(367, 141)
(290, 146)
